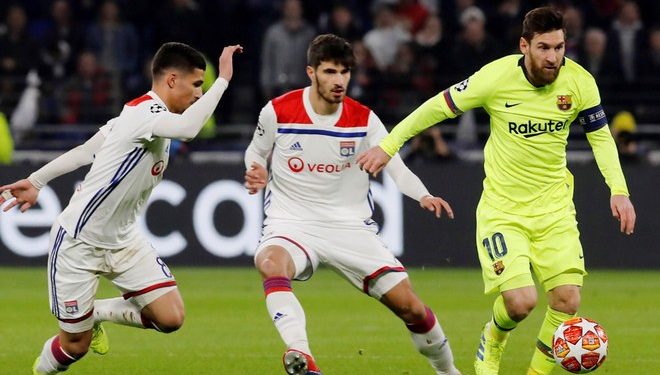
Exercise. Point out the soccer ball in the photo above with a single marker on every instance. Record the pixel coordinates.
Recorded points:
(579, 345)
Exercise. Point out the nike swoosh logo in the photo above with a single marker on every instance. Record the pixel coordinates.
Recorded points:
(511, 105)
(533, 135)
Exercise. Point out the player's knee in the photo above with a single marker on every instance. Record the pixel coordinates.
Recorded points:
(172, 321)
(519, 309)
(76, 347)
(566, 303)
(270, 267)
(411, 312)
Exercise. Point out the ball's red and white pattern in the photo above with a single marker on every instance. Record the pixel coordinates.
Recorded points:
(579, 345)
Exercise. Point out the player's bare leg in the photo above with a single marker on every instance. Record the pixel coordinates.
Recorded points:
(510, 308)
(277, 269)
(425, 330)
(563, 303)
(61, 351)
(165, 314)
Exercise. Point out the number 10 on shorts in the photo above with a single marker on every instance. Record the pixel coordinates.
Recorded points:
(495, 246)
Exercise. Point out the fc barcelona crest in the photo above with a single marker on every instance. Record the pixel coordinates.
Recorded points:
(564, 102)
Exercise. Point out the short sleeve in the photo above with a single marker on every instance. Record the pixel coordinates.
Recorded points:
(469, 93)
(591, 116)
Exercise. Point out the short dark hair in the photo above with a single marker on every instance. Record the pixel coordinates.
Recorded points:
(542, 20)
(330, 47)
(176, 55)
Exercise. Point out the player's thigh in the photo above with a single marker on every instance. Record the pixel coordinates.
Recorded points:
(503, 246)
(297, 241)
(139, 273)
(72, 280)
(361, 257)
(556, 253)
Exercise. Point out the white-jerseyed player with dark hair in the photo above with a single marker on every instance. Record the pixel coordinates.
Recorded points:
(319, 207)
(97, 234)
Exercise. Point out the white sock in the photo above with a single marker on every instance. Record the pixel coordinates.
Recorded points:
(48, 363)
(434, 345)
(289, 319)
(118, 310)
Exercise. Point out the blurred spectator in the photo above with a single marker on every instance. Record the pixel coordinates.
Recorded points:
(284, 52)
(651, 59)
(6, 141)
(86, 95)
(429, 146)
(592, 55)
(24, 116)
(384, 40)
(626, 39)
(342, 23)
(475, 47)
(182, 21)
(362, 74)
(506, 24)
(413, 14)
(574, 27)
(17, 52)
(114, 42)
(624, 131)
(62, 40)
(434, 54)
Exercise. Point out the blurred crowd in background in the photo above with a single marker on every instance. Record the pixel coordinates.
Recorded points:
(66, 63)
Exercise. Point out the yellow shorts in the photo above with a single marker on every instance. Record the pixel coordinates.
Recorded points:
(509, 244)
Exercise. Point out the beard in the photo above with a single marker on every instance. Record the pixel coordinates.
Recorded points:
(544, 76)
(327, 94)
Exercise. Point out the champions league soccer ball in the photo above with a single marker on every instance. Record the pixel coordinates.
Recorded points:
(579, 345)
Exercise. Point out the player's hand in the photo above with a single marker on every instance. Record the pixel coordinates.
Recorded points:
(436, 204)
(256, 178)
(226, 62)
(623, 210)
(373, 160)
(23, 191)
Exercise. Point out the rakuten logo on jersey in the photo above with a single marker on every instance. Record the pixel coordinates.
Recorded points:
(298, 165)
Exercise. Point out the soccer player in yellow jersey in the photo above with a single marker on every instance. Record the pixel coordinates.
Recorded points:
(526, 214)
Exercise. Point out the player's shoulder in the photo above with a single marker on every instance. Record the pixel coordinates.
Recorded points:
(498, 67)
(353, 114)
(144, 104)
(289, 108)
(577, 71)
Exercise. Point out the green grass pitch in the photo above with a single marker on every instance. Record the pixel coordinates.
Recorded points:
(227, 330)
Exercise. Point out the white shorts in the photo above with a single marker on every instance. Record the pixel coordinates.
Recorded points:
(74, 268)
(357, 253)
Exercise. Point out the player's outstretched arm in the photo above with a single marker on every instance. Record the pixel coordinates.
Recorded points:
(23, 193)
(624, 211)
(187, 125)
(256, 178)
(436, 205)
(410, 185)
(26, 191)
(373, 160)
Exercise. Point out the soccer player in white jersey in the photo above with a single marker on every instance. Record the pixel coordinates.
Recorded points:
(319, 207)
(97, 232)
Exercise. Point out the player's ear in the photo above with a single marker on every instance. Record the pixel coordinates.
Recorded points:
(310, 72)
(171, 80)
(524, 46)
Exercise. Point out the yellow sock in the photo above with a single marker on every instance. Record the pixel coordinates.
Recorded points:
(542, 360)
(501, 324)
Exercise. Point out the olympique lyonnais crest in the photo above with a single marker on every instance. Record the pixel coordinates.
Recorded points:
(564, 102)
(71, 307)
(346, 148)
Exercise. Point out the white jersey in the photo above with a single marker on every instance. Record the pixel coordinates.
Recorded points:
(314, 175)
(103, 209)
